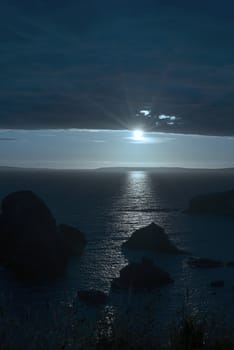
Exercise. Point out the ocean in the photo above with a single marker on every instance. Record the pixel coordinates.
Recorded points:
(107, 206)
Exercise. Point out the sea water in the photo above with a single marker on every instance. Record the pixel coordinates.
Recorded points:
(108, 206)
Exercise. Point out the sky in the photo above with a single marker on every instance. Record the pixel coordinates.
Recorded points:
(117, 65)
(90, 149)
(77, 77)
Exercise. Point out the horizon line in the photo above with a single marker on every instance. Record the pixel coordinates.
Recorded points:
(115, 130)
(113, 167)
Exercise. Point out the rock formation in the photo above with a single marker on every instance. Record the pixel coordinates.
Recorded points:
(153, 238)
(143, 275)
(74, 239)
(31, 245)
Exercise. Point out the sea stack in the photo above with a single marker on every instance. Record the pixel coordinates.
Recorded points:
(31, 244)
(152, 237)
(143, 275)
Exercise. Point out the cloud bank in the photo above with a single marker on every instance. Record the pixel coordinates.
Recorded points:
(95, 64)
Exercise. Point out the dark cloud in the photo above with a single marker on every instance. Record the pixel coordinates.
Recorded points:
(94, 64)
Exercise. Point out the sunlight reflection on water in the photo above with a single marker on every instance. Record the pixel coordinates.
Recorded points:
(108, 208)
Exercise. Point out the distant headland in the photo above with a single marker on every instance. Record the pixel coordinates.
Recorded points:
(120, 169)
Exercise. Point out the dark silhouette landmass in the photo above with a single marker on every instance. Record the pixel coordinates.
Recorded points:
(74, 240)
(164, 169)
(220, 203)
(120, 169)
(152, 237)
(31, 244)
(143, 275)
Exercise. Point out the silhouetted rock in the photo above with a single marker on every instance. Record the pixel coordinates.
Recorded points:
(217, 284)
(204, 263)
(92, 296)
(230, 264)
(152, 237)
(221, 203)
(142, 275)
(73, 239)
(30, 243)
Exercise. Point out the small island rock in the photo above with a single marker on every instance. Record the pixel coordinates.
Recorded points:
(152, 237)
(143, 275)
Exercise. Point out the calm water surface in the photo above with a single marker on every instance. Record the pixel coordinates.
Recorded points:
(108, 207)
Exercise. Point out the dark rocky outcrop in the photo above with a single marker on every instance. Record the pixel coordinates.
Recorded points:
(30, 243)
(217, 284)
(221, 203)
(74, 240)
(230, 264)
(153, 238)
(93, 296)
(204, 263)
(143, 275)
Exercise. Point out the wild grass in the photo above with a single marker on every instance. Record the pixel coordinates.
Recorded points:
(69, 327)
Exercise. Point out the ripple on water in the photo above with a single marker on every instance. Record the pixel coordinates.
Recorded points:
(108, 208)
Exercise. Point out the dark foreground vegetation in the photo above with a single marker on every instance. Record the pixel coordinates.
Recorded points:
(73, 331)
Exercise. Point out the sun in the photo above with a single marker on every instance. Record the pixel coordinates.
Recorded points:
(138, 135)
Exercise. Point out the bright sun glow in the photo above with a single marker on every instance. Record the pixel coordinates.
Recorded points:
(138, 135)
